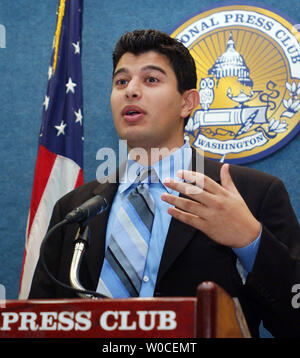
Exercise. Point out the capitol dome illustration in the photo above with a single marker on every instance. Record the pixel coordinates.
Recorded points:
(231, 64)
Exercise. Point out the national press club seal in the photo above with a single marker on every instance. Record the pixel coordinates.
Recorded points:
(248, 69)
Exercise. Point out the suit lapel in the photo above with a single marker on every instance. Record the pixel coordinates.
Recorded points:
(180, 234)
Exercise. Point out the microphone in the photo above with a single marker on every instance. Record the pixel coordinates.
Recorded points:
(87, 211)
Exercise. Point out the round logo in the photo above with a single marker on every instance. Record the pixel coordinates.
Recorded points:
(248, 69)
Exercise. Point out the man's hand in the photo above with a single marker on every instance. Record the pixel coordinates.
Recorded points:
(217, 210)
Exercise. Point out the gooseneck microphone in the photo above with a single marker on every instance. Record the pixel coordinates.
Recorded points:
(81, 215)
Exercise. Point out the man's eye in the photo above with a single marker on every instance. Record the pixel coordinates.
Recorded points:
(121, 82)
(152, 79)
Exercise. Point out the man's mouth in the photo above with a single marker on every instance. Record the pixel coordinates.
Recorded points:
(132, 113)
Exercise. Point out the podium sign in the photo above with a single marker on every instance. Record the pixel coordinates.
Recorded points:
(213, 313)
(116, 318)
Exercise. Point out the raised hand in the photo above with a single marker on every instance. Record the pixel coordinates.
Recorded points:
(217, 210)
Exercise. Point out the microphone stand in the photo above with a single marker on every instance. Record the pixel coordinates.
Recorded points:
(81, 241)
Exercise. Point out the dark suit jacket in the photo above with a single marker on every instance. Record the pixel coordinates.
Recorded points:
(190, 257)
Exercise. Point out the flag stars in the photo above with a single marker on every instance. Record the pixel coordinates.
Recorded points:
(61, 128)
(50, 72)
(70, 86)
(78, 116)
(77, 47)
(46, 102)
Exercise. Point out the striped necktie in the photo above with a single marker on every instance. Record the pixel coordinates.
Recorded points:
(125, 257)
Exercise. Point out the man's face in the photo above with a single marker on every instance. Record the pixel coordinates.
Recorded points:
(147, 108)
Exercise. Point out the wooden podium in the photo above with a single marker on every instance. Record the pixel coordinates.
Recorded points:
(212, 314)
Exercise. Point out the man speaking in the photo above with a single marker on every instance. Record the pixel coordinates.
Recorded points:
(172, 226)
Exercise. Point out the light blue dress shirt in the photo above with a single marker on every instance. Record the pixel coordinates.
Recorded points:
(166, 168)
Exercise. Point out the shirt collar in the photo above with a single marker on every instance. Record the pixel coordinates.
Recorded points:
(165, 168)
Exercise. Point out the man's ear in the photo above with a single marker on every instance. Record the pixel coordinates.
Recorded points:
(191, 101)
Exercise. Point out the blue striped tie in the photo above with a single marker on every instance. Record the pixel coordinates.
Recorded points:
(125, 257)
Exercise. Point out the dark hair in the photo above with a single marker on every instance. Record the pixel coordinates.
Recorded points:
(141, 41)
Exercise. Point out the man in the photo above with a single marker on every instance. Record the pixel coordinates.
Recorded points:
(230, 225)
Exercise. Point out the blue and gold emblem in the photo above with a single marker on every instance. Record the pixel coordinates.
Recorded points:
(248, 68)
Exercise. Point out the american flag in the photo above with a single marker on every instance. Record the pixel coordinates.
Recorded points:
(60, 154)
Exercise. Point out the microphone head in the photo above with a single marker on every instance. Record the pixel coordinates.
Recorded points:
(94, 206)
(88, 210)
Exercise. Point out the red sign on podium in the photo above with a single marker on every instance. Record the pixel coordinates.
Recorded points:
(213, 313)
(117, 318)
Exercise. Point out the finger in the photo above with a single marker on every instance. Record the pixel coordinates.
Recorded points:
(226, 180)
(191, 191)
(192, 177)
(187, 218)
(182, 187)
(200, 180)
(187, 205)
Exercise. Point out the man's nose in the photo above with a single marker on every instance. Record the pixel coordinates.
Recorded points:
(133, 89)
